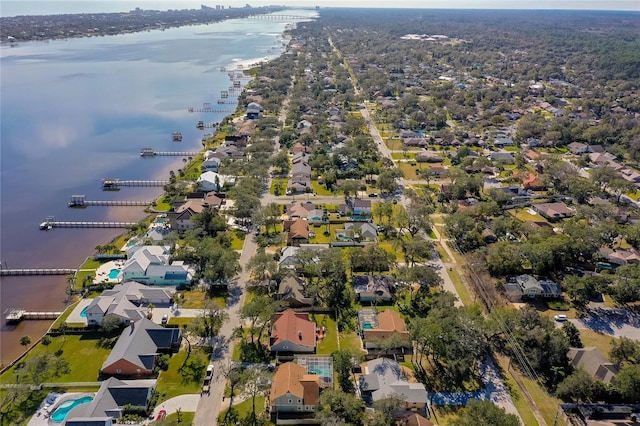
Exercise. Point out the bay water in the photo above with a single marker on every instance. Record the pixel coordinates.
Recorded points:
(78, 110)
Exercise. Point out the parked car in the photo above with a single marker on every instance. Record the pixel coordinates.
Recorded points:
(165, 319)
(209, 372)
(161, 415)
(560, 318)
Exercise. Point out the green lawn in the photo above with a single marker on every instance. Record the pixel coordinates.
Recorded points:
(283, 185)
(163, 204)
(403, 155)
(524, 216)
(465, 297)
(180, 321)
(516, 395)
(237, 240)
(393, 144)
(243, 409)
(83, 353)
(351, 340)
(409, 171)
(172, 420)
(329, 344)
(173, 383)
(320, 189)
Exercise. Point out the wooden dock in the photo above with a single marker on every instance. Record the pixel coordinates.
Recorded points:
(15, 315)
(37, 271)
(50, 224)
(201, 125)
(112, 184)
(218, 109)
(150, 152)
(81, 201)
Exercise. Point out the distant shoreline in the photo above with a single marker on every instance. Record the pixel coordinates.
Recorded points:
(51, 27)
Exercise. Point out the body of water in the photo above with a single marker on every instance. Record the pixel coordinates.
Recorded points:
(75, 111)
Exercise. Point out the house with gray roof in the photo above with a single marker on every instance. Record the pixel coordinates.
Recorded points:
(501, 157)
(383, 377)
(362, 231)
(136, 351)
(371, 288)
(126, 301)
(292, 291)
(110, 401)
(532, 287)
(151, 265)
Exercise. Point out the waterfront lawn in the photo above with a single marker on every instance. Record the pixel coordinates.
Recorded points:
(184, 375)
(163, 204)
(85, 354)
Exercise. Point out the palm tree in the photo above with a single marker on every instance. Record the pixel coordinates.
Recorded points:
(25, 341)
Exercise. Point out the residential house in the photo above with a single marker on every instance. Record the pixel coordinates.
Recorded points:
(383, 378)
(605, 158)
(428, 157)
(292, 291)
(228, 151)
(212, 181)
(299, 148)
(185, 212)
(150, 265)
(577, 148)
(297, 231)
(437, 170)
(619, 257)
(288, 255)
(373, 288)
(300, 157)
(501, 157)
(111, 400)
(416, 142)
(553, 211)
(293, 390)
(299, 209)
(135, 353)
(501, 142)
(593, 361)
(533, 182)
(361, 231)
(293, 332)
(531, 287)
(416, 420)
(361, 207)
(377, 326)
(254, 111)
(315, 217)
(211, 163)
(126, 301)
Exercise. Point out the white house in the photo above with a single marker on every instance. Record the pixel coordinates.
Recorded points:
(210, 163)
(212, 181)
(150, 265)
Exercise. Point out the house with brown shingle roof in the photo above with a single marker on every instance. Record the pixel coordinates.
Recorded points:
(297, 232)
(553, 211)
(593, 361)
(376, 327)
(293, 332)
(293, 390)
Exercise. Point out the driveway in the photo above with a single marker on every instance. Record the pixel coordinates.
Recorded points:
(186, 403)
(614, 322)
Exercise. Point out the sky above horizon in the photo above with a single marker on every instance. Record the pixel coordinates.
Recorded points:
(45, 7)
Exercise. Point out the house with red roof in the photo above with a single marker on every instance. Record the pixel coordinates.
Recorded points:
(293, 332)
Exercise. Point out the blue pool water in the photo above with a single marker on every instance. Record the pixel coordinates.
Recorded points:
(321, 371)
(367, 326)
(83, 313)
(63, 409)
(113, 274)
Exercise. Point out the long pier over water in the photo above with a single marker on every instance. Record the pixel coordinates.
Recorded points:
(50, 224)
(115, 184)
(150, 152)
(37, 271)
(81, 201)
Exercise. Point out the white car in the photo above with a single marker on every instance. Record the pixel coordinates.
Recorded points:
(209, 373)
(560, 318)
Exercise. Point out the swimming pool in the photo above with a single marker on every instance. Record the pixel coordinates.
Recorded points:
(113, 274)
(367, 326)
(83, 313)
(320, 371)
(63, 409)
